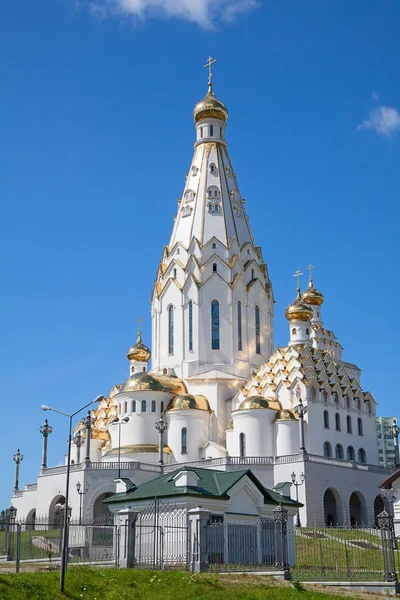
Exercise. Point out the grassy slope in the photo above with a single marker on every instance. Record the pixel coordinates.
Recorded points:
(109, 584)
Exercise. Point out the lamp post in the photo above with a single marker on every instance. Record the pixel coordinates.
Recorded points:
(161, 427)
(120, 422)
(301, 410)
(88, 422)
(297, 485)
(65, 531)
(389, 496)
(45, 430)
(78, 441)
(81, 493)
(395, 433)
(18, 458)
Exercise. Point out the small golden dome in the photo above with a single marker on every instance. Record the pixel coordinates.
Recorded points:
(254, 402)
(210, 108)
(285, 415)
(312, 295)
(139, 351)
(154, 382)
(188, 402)
(298, 310)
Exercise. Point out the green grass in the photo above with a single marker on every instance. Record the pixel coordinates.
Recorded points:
(110, 584)
(28, 549)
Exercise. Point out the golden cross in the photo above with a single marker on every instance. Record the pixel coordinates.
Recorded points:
(310, 268)
(297, 274)
(139, 322)
(210, 62)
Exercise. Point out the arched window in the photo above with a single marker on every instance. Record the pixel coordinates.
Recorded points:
(153, 406)
(212, 168)
(336, 397)
(350, 453)
(337, 422)
(214, 267)
(190, 325)
(165, 371)
(347, 402)
(239, 323)
(362, 456)
(349, 425)
(133, 406)
(221, 135)
(252, 273)
(326, 419)
(211, 130)
(294, 331)
(214, 245)
(215, 325)
(360, 426)
(201, 132)
(162, 406)
(144, 406)
(171, 330)
(307, 331)
(327, 450)
(339, 451)
(242, 445)
(125, 408)
(184, 440)
(174, 273)
(258, 337)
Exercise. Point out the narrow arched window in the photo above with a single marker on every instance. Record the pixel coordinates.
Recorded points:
(221, 133)
(294, 331)
(326, 419)
(144, 406)
(307, 331)
(125, 407)
(239, 324)
(201, 132)
(184, 440)
(350, 453)
(190, 325)
(214, 245)
(339, 451)
(362, 456)
(337, 422)
(252, 274)
(153, 406)
(212, 168)
(258, 335)
(211, 130)
(133, 406)
(162, 406)
(214, 267)
(242, 445)
(215, 325)
(349, 425)
(360, 426)
(171, 330)
(327, 450)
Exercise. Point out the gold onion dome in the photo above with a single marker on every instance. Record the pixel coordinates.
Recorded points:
(285, 415)
(139, 351)
(299, 310)
(210, 108)
(254, 402)
(312, 295)
(188, 402)
(154, 382)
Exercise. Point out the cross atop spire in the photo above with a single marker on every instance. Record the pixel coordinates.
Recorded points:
(139, 322)
(310, 268)
(210, 62)
(298, 274)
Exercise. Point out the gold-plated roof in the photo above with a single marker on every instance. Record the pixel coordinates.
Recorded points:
(210, 108)
(285, 415)
(299, 310)
(139, 351)
(254, 402)
(188, 402)
(312, 295)
(154, 382)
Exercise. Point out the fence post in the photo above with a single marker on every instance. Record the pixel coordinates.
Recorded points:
(18, 552)
(281, 520)
(385, 523)
(198, 519)
(126, 548)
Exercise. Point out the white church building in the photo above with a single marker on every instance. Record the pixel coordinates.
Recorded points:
(229, 400)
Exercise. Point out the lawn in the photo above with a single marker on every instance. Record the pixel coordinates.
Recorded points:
(110, 584)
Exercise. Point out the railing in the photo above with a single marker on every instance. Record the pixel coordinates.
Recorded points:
(102, 466)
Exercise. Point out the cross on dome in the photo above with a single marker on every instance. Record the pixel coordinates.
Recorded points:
(310, 268)
(210, 62)
(139, 322)
(298, 274)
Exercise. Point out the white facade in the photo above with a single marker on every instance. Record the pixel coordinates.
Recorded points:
(228, 399)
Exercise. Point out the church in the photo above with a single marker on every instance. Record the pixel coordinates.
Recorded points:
(220, 393)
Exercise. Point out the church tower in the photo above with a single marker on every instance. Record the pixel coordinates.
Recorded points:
(212, 304)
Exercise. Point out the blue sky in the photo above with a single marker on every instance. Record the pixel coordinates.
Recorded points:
(96, 138)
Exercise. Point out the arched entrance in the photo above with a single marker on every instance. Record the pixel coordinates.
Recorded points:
(56, 510)
(101, 513)
(378, 508)
(358, 509)
(332, 508)
(30, 519)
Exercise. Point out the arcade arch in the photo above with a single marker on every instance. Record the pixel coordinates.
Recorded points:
(358, 509)
(332, 508)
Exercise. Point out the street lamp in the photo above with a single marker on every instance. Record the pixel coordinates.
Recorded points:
(18, 458)
(161, 427)
(297, 485)
(78, 441)
(395, 433)
(45, 430)
(389, 496)
(81, 493)
(301, 410)
(65, 532)
(120, 422)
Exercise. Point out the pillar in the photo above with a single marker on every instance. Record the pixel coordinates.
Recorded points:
(126, 539)
(198, 521)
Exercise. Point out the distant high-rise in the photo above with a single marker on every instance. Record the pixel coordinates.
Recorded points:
(386, 447)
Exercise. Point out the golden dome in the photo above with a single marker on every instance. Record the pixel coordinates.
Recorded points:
(210, 108)
(139, 351)
(154, 382)
(285, 415)
(188, 402)
(298, 310)
(312, 295)
(254, 402)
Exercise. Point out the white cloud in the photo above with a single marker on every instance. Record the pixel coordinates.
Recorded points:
(385, 120)
(203, 12)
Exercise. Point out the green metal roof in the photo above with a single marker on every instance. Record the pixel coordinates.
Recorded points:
(210, 484)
